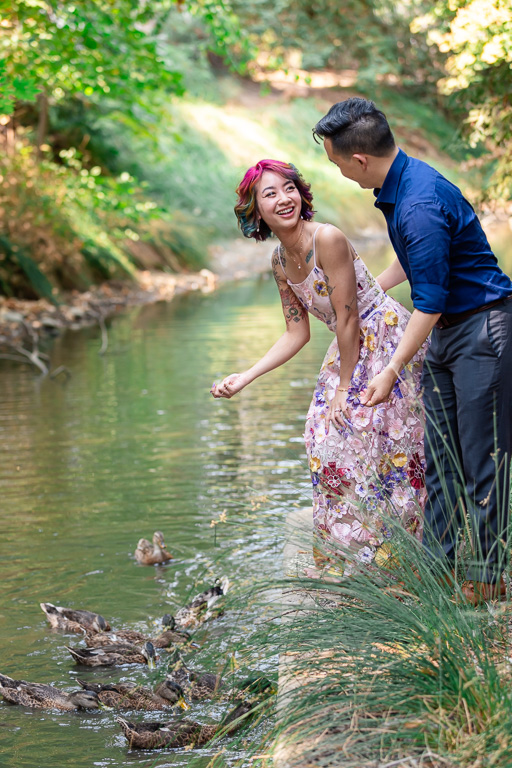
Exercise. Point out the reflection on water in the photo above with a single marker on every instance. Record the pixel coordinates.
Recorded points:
(132, 443)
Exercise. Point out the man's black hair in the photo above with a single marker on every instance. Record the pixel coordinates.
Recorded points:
(356, 125)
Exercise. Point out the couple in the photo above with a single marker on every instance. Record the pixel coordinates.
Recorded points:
(381, 382)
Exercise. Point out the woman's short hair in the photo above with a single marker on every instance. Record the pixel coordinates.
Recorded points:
(246, 209)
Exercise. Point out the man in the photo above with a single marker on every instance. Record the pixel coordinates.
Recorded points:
(460, 294)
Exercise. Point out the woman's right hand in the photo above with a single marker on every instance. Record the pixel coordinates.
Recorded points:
(230, 385)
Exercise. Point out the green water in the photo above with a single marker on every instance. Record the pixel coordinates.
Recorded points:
(132, 443)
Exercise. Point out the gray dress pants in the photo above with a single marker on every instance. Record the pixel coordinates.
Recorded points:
(467, 384)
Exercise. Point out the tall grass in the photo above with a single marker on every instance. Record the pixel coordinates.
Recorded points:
(388, 667)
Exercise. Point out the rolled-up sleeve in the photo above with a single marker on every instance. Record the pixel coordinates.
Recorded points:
(425, 230)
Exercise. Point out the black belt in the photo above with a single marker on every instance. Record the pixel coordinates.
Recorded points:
(446, 321)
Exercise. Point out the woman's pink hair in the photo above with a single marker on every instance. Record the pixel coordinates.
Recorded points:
(246, 209)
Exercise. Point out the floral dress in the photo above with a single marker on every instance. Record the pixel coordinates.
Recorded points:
(370, 470)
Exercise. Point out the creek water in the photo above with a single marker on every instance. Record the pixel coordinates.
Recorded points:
(131, 443)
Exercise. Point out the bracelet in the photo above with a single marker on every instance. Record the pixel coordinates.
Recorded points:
(341, 389)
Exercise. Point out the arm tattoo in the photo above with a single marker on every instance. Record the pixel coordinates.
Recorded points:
(292, 308)
(348, 307)
(330, 289)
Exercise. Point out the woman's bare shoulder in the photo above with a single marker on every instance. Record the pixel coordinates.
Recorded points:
(330, 238)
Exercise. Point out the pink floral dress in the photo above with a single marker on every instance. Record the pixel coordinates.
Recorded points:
(372, 469)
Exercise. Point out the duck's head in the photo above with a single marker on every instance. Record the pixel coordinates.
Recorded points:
(173, 693)
(100, 624)
(149, 653)
(85, 699)
(158, 539)
(169, 621)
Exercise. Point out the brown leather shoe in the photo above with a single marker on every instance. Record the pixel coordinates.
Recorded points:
(476, 592)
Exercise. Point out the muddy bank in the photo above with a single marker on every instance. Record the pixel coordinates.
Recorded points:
(23, 320)
(26, 323)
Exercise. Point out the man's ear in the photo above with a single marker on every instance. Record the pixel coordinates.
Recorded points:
(361, 159)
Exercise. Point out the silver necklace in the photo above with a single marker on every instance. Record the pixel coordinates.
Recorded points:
(298, 240)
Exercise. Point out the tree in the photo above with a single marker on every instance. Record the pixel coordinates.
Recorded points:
(92, 49)
(476, 37)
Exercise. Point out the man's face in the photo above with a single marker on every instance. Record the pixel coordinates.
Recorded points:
(350, 167)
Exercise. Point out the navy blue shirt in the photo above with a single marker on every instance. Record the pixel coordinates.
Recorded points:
(439, 240)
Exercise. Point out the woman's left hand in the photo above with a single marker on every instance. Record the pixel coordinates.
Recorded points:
(338, 410)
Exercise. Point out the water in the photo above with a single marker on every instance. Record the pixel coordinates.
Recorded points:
(132, 443)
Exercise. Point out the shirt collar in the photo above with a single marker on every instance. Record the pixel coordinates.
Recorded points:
(389, 190)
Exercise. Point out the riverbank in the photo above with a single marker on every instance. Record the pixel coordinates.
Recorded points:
(23, 320)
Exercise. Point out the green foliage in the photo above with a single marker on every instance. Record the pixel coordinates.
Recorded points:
(91, 48)
(371, 35)
(476, 35)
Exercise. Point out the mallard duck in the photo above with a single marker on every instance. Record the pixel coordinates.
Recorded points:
(131, 696)
(203, 606)
(173, 634)
(75, 621)
(148, 553)
(40, 695)
(197, 685)
(115, 654)
(167, 639)
(181, 733)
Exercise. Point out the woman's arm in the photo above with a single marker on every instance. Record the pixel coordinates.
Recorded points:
(336, 259)
(297, 334)
(393, 275)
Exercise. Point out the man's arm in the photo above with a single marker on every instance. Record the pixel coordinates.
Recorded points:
(416, 332)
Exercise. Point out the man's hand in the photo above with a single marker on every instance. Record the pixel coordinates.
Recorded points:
(379, 388)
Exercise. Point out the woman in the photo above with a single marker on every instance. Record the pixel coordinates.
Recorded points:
(366, 463)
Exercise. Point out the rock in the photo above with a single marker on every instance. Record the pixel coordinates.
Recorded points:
(8, 316)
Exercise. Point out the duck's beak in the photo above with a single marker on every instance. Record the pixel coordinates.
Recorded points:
(183, 704)
(104, 707)
(151, 662)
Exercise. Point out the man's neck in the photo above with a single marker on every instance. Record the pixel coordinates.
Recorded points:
(381, 166)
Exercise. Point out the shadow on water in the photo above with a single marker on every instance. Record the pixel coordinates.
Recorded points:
(133, 443)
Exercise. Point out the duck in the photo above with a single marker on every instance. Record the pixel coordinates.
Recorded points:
(131, 696)
(197, 685)
(115, 654)
(77, 621)
(182, 733)
(169, 638)
(43, 696)
(203, 606)
(148, 553)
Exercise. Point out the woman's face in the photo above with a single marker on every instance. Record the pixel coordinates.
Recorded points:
(278, 200)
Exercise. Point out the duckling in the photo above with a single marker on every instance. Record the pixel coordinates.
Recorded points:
(201, 608)
(166, 639)
(182, 733)
(72, 620)
(197, 685)
(115, 654)
(131, 696)
(148, 553)
(40, 695)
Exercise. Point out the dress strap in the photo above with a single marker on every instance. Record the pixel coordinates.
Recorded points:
(326, 224)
